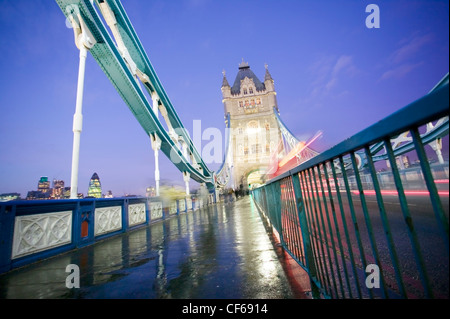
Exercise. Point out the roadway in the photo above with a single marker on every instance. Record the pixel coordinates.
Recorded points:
(430, 238)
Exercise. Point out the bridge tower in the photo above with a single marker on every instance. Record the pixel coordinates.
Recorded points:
(255, 134)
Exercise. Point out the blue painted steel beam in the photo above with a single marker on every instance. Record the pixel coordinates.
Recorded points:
(140, 57)
(110, 60)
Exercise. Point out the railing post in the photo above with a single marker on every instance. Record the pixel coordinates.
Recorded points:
(275, 208)
(76, 224)
(277, 195)
(147, 211)
(309, 258)
(87, 214)
(7, 217)
(267, 206)
(414, 239)
(125, 214)
(441, 219)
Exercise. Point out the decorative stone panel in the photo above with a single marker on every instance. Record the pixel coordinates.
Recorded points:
(156, 210)
(107, 219)
(34, 233)
(136, 214)
(189, 204)
(182, 205)
(173, 208)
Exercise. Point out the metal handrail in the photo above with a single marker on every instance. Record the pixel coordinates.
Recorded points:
(325, 221)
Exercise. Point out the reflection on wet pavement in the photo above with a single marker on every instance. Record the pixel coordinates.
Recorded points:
(222, 251)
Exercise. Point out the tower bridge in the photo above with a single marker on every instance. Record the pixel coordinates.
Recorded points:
(256, 140)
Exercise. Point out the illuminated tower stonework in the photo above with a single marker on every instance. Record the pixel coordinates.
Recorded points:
(95, 187)
(255, 134)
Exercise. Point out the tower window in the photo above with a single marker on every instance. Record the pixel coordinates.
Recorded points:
(241, 149)
(245, 91)
(241, 104)
(250, 89)
(256, 148)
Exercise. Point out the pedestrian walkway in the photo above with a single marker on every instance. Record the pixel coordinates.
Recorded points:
(221, 251)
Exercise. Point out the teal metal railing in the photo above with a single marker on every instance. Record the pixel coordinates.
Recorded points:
(378, 230)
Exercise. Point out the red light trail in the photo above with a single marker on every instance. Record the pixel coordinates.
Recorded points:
(407, 192)
(297, 149)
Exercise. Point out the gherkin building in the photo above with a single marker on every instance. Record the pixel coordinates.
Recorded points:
(95, 188)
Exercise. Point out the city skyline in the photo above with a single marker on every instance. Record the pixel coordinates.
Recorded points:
(331, 73)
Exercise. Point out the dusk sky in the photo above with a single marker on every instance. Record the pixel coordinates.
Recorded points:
(331, 73)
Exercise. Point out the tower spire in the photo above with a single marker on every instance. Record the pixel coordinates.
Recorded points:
(225, 81)
(267, 76)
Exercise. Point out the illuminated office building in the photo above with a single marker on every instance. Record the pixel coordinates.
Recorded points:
(66, 192)
(9, 196)
(58, 189)
(95, 188)
(109, 194)
(44, 185)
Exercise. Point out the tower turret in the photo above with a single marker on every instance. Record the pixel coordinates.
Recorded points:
(270, 88)
(268, 81)
(226, 89)
(226, 93)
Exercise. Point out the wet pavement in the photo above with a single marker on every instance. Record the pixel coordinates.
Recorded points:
(219, 252)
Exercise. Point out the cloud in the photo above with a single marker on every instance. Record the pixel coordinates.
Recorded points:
(327, 72)
(332, 83)
(400, 71)
(321, 70)
(327, 75)
(405, 58)
(410, 47)
(344, 64)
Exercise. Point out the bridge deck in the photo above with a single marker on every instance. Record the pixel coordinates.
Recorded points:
(222, 251)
